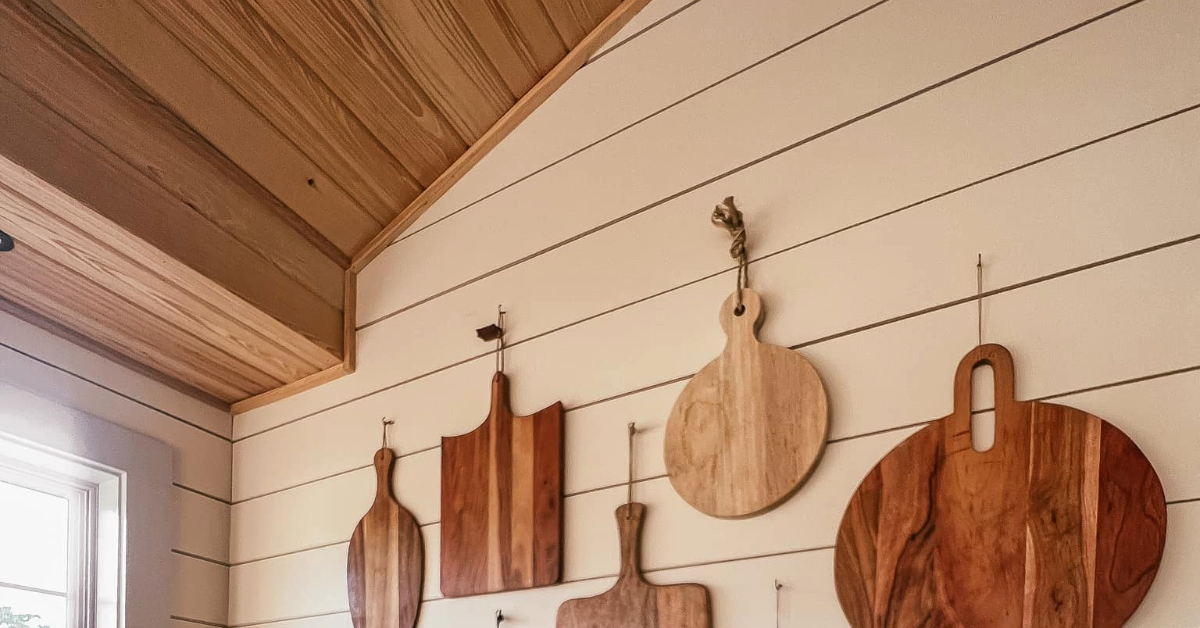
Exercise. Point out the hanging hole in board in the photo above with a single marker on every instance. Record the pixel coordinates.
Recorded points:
(983, 425)
(739, 310)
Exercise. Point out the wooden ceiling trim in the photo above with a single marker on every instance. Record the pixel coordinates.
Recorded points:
(239, 46)
(73, 235)
(67, 76)
(62, 331)
(152, 56)
(533, 99)
(109, 186)
(343, 44)
(120, 325)
(436, 47)
(518, 37)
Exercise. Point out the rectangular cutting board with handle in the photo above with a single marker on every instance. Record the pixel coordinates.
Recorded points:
(502, 501)
(632, 602)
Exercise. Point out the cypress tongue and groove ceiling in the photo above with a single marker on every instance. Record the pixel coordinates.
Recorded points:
(193, 184)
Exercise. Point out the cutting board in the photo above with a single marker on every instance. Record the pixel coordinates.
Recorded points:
(386, 563)
(750, 426)
(1061, 523)
(502, 501)
(632, 602)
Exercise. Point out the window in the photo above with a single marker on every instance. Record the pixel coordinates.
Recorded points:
(47, 546)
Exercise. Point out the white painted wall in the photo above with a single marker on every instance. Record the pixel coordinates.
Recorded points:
(60, 372)
(875, 149)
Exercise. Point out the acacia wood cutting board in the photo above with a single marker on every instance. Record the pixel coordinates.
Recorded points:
(750, 426)
(502, 501)
(386, 562)
(1061, 523)
(632, 602)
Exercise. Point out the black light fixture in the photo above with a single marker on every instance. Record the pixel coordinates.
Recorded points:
(6, 242)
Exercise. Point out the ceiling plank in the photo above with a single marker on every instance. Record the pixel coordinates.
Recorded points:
(235, 41)
(518, 37)
(51, 326)
(105, 184)
(438, 49)
(65, 75)
(343, 44)
(156, 60)
(517, 114)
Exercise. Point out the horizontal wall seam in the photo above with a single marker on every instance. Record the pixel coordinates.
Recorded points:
(198, 621)
(866, 221)
(219, 563)
(832, 441)
(725, 561)
(202, 493)
(838, 335)
(656, 23)
(639, 121)
(115, 392)
(771, 155)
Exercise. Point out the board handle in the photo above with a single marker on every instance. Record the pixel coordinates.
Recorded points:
(629, 529)
(746, 323)
(995, 356)
(384, 458)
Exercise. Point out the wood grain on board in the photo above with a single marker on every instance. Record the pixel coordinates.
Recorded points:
(1062, 522)
(632, 602)
(385, 565)
(502, 501)
(750, 426)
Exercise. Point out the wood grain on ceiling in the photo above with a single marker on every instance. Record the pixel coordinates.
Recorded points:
(193, 184)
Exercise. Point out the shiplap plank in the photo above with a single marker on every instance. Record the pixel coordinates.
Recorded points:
(69, 78)
(864, 64)
(346, 46)
(653, 13)
(201, 525)
(202, 461)
(46, 346)
(237, 43)
(704, 44)
(152, 55)
(201, 590)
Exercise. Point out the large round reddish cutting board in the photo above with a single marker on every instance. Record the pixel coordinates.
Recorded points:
(1061, 523)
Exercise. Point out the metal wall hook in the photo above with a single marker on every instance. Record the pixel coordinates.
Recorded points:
(499, 617)
(495, 331)
(386, 423)
(629, 484)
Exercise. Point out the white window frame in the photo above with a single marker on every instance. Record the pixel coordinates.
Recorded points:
(132, 573)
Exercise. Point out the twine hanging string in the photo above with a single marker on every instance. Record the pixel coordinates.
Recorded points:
(500, 339)
(386, 423)
(979, 295)
(629, 482)
(728, 217)
(778, 587)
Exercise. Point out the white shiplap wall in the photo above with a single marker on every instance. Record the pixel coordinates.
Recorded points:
(199, 434)
(875, 149)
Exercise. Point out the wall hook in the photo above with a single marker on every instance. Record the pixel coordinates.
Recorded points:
(499, 617)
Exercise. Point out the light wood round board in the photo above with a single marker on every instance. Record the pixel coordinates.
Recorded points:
(750, 426)
(1061, 523)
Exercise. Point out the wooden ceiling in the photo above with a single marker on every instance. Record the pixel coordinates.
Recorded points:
(193, 184)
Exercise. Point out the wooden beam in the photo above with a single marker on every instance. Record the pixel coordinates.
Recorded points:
(78, 339)
(517, 114)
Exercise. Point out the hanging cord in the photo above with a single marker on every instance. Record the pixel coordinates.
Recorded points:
(495, 332)
(778, 587)
(979, 295)
(728, 217)
(629, 483)
(386, 423)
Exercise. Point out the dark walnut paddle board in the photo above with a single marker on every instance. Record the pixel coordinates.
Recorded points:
(502, 501)
(1061, 523)
(632, 602)
(750, 426)
(386, 564)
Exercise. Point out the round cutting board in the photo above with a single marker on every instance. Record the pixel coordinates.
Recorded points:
(750, 426)
(1060, 523)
